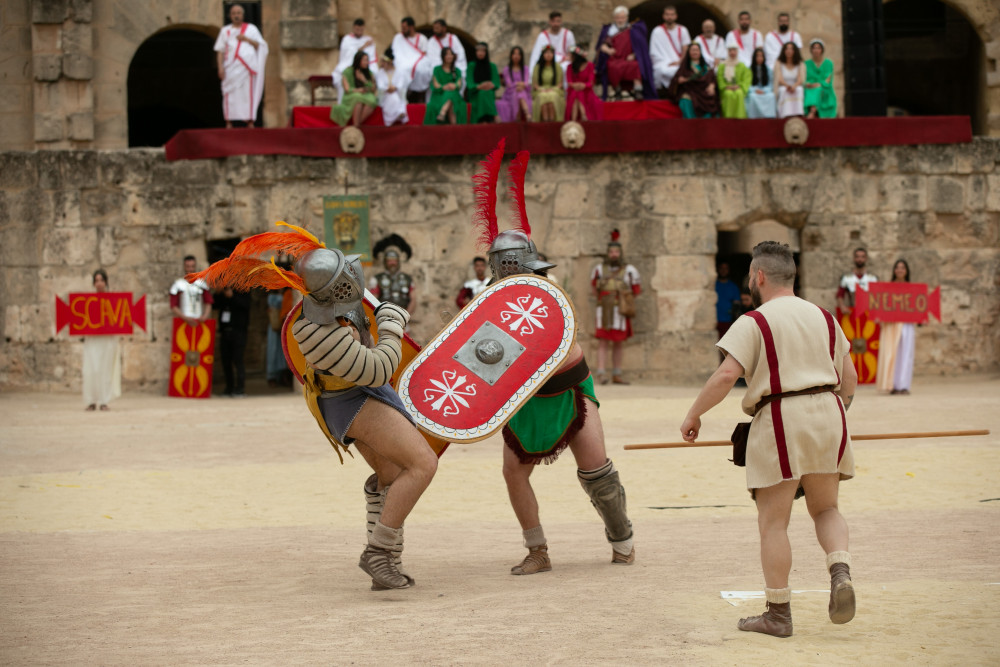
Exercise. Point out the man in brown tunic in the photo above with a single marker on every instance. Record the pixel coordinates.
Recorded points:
(800, 382)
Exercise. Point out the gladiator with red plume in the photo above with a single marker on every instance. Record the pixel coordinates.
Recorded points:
(510, 252)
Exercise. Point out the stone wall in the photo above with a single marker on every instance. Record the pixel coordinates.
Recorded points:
(64, 213)
(64, 63)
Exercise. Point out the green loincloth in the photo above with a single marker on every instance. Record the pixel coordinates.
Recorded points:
(546, 424)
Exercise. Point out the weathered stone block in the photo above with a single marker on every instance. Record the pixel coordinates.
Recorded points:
(19, 171)
(49, 11)
(78, 66)
(81, 11)
(79, 169)
(791, 194)
(107, 246)
(685, 234)
(947, 195)
(102, 205)
(70, 247)
(685, 311)
(309, 34)
(305, 9)
(683, 273)
(993, 192)
(46, 66)
(574, 200)
(67, 208)
(903, 193)
(49, 127)
(730, 198)
(678, 195)
(864, 193)
(78, 38)
(81, 126)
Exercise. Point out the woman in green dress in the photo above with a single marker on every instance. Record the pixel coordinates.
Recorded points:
(820, 98)
(548, 97)
(734, 79)
(446, 104)
(359, 99)
(482, 81)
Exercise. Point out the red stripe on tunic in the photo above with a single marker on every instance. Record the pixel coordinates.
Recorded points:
(833, 358)
(775, 378)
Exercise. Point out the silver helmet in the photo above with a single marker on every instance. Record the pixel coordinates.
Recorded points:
(336, 284)
(512, 252)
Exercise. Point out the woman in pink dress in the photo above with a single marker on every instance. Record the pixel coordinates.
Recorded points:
(516, 77)
(581, 102)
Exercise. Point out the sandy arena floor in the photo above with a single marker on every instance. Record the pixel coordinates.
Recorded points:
(224, 531)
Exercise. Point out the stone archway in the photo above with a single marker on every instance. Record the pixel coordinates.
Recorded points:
(467, 40)
(934, 61)
(173, 85)
(689, 14)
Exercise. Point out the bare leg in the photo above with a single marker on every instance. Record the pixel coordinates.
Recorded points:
(588, 445)
(390, 436)
(522, 496)
(452, 118)
(366, 112)
(774, 507)
(525, 114)
(445, 108)
(821, 500)
(356, 115)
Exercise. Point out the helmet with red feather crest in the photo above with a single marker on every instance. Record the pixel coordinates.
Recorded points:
(510, 252)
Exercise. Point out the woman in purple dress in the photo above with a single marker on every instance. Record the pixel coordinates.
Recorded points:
(581, 102)
(516, 101)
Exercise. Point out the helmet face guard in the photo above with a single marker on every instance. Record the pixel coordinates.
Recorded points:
(512, 253)
(336, 284)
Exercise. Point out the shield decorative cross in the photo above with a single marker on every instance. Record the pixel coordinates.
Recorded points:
(490, 359)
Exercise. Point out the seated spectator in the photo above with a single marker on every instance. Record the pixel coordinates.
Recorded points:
(391, 82)
(352, 42)
(713, 47)
(581, 102)
(623, 57)
(760, 100)
(559, 38)
(820, 99)
(516, 101)
(446, 104)
(482, 83)
(733, 84)
(548, 97)
(789, 74)
(359, 99)
(693, 88)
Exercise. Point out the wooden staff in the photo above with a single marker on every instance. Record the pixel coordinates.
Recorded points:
(867, 436)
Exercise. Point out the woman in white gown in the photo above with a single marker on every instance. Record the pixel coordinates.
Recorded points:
(392, 83)
(789, 77)
(897, 343)
(102, 373)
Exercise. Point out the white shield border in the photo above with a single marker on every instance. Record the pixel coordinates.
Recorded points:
(527, 390)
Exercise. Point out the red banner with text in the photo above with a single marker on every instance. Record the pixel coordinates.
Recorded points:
(899, 302)
(100, 313)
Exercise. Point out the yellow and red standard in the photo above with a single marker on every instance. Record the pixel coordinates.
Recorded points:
(192, 352)
(863, 333)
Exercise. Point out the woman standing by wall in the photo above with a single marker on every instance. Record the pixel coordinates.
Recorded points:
(897, 343)
(102, 369)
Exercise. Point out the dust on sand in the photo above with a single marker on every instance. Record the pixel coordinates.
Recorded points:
(217, 532)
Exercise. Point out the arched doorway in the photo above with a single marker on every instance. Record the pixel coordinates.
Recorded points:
(689, 14)
(467, 40)
(933, 61)
(173, 85)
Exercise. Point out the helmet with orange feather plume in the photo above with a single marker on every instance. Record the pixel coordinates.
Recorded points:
(331, 284)
(510, 252)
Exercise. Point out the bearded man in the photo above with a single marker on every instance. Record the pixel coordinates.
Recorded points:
(241, 53)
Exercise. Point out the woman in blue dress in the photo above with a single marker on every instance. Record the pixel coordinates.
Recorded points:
(760, 100)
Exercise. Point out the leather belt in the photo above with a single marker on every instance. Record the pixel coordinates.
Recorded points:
(785, 394)
(566, 380)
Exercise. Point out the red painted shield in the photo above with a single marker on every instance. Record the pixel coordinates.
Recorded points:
(490, 360)
(191, 356)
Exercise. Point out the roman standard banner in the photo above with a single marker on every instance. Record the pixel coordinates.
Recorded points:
(500, 349)
(100, 313)
(899, 302)
(192, 351)
(345, 224)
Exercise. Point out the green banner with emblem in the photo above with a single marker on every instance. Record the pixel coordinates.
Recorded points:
(345, 224)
